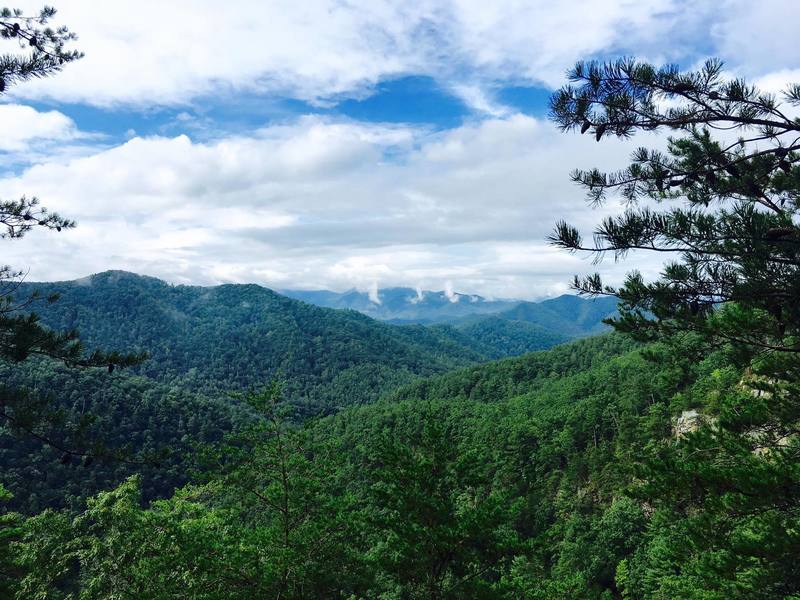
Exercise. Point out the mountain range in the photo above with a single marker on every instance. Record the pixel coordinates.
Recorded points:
(207, 343)
(235, 337)
(568, 314)
(404, 305)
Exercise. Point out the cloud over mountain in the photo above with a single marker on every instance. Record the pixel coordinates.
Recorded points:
(315, 198)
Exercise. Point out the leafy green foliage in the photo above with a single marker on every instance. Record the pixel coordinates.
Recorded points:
(554, 475)
(10, 530)
(101, 429)
(516, 376)
(735, 238)
(205, 343)
(724, 496)
(420, 498)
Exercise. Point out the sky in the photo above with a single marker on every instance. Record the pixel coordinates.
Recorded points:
(343, 144)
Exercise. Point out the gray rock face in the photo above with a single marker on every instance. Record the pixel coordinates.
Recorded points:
(687, 422)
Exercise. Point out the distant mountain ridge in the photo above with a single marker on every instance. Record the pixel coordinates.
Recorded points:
(207, 342)
(405, 305)
(239, 336)
(236, 337)
(568, 315)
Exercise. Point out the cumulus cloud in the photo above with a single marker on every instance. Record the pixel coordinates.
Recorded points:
(756, 38)
(145, 52)
(320, 202)
(316, 203)
(26, 129)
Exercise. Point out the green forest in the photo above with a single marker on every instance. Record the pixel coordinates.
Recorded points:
(206, 347)
(628, 442)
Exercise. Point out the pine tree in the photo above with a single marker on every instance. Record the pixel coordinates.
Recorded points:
(41, 52)
(725, 208)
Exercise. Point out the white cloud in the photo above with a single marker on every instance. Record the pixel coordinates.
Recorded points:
(476, 97)
(449, 292)
(321, 203)
(756, 38)
(145, 52)
(24, 127)
(316, 204)
(373, 294)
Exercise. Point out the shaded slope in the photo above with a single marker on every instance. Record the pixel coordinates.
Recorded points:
(233, 337)
(568, 314)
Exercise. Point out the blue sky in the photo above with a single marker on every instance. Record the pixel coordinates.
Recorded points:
(410, 99)
(338, 144)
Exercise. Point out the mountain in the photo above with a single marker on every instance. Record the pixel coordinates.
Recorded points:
(236, 337)
(206, 343)
(404, 305)
(527, 470)
(569, 315)
(565, 317)
(517, 376)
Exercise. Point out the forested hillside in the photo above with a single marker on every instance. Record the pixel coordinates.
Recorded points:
(205, 345)
(465, 486)
(400, 465)
(103, 429)
(569, 314)
(234, 337)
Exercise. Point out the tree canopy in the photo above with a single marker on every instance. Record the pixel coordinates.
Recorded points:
(721, 203)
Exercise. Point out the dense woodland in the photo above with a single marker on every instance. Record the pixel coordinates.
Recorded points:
(236, 337)
(535, 477)
(230, 442)
(206, 347)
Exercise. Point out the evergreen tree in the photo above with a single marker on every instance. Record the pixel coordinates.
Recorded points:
(734, 232)
(726, 493)
(41, 52)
